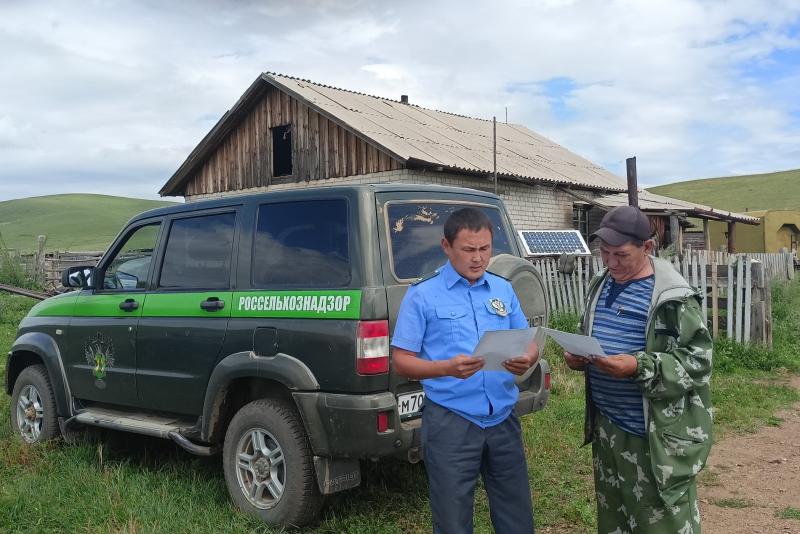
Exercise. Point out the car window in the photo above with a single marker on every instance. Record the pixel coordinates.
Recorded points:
(198, 253)
(302, 244)
(129, 267)
(416, 230)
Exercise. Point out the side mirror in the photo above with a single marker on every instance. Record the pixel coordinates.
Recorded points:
(80, 276)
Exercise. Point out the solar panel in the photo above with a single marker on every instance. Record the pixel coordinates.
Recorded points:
(551, 242)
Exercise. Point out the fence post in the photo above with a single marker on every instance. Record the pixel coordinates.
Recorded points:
(739, 282)
(714, 304)
(729, 302)
(747, 300)
(38, 266)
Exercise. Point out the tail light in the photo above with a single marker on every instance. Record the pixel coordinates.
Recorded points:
(372, 350)
(547, 381)
(382, 422)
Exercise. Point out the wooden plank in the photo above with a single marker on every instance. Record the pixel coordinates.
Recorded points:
(757, 328)
(747, 296)
(714, 294)
(567, 280)
(703, 285)
(335, 155)
(729, 301)
(323, 147)
(739, 282)
(581, 284)
(542, 266)
(552, 283)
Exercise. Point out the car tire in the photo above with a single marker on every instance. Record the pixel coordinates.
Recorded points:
(33, 406)
(269, 466)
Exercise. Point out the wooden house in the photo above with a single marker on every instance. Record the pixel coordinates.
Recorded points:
(286, 132)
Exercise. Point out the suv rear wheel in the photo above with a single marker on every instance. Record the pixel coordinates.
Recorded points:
(268, 464)
(33, 406)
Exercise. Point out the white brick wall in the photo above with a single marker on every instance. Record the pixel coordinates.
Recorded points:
(532, 207)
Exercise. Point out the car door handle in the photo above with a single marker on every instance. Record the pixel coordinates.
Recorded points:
(128, 305)
(212, 304)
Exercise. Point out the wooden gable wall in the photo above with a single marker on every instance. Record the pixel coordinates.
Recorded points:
(320, 149)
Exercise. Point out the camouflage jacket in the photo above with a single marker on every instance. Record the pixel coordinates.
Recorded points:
(673, 372)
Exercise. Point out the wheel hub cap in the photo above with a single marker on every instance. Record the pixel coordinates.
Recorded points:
(30, 413)
(260, 468)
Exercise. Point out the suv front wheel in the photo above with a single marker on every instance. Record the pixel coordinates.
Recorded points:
(268, 464)
(33, 406)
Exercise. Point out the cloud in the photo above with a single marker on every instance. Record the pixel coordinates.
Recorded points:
(114, 95)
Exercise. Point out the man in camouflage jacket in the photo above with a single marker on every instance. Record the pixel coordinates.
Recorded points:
(647, 484)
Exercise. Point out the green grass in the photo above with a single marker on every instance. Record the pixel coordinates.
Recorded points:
(74, 222)
(789, 512)
(115, 482)
(777, 190)
(733, 503)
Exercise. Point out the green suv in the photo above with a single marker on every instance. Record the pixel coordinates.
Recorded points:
(257, 326)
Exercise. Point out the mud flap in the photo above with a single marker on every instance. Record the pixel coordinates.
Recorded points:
(336, 474)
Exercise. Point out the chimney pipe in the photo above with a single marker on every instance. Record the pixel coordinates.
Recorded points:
(633, 186)
(404, 99)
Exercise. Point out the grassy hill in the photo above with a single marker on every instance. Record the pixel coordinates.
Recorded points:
(776, 190)
(74, 222)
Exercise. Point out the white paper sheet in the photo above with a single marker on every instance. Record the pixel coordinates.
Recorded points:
(576, 344)
(497, 346)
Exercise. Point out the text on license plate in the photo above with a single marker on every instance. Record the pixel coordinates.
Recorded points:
(410, 403)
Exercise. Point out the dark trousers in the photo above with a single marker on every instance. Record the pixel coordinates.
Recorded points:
(455, 452)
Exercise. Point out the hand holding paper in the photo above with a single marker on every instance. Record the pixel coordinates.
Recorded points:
(498, 346)
(576, 344)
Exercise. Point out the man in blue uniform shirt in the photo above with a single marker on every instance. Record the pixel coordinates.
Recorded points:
(467, 425)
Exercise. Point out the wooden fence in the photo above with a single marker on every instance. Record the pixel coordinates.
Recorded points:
(734, 288)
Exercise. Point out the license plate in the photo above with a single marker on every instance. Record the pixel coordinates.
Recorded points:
(410, 403)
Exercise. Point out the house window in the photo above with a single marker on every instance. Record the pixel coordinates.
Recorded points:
(580, 219)
(282, 150)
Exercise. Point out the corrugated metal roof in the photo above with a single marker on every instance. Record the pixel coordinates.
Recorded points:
(651, 202)
(413, 133)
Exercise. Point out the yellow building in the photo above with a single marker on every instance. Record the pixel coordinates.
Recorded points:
(778, 229)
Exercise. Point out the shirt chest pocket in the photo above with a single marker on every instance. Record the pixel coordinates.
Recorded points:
(454, 321)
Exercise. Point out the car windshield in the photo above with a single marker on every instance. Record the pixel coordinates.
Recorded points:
(416, 230)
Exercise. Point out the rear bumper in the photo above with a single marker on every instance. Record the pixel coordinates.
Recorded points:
(345, 426)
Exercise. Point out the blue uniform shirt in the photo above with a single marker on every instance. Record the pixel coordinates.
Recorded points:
(444, 316)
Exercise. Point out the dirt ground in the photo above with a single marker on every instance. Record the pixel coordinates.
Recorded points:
(750, 479)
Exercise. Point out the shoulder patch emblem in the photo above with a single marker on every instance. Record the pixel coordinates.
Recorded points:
(425, 277)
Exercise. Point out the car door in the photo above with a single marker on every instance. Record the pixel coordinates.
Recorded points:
(100, 360)
(186, 312)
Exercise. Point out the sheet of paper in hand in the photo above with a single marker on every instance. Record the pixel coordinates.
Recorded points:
(576, 344)
(497, 346)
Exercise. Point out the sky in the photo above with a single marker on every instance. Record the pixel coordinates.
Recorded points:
(111, 96)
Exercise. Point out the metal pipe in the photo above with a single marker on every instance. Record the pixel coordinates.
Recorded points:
(494, 151)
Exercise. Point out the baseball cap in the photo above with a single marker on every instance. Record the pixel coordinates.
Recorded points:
(623, 224)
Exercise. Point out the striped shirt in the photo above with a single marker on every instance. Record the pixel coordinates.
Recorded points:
(619, 325)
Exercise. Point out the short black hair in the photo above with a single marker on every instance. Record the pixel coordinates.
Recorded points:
(466, 218)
